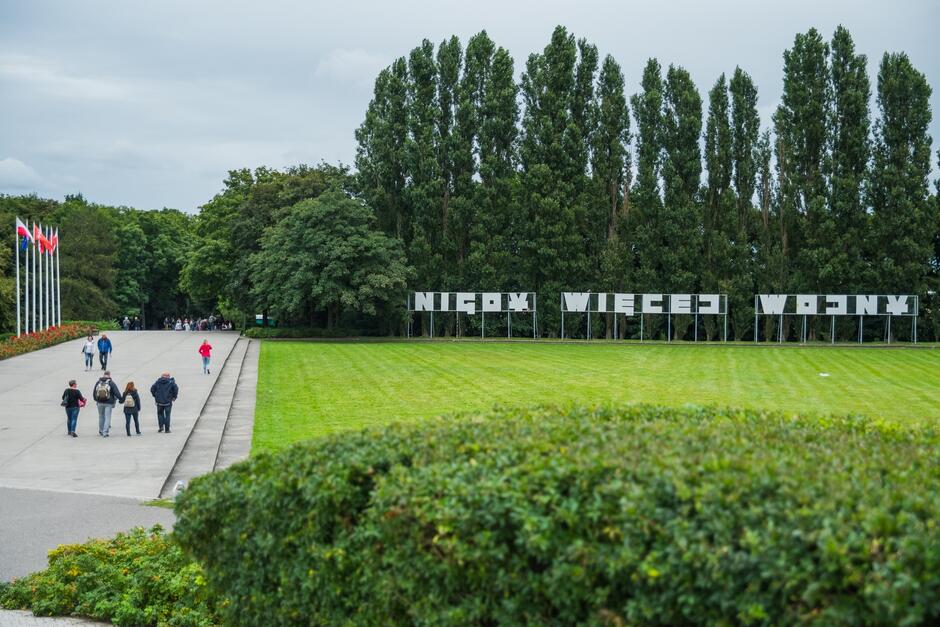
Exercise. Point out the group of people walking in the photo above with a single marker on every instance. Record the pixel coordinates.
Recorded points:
(106, 394)
(104, 351)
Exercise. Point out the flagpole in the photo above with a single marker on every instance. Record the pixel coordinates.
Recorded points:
(58, 278)
(26, 291)
(50, 301)
(35, 243)
(16, 252)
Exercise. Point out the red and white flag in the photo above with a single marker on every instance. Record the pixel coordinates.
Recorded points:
(22, 230)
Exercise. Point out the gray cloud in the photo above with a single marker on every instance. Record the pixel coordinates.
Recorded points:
(149, 104)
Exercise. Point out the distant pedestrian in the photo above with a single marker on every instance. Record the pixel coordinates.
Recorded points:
(106, 395)
(178, 326)
(131, 402)
(126, 323)
(136, 324)
(73, 401)
(164, 392)
(104, 350)
(88, 350)
(205, 350)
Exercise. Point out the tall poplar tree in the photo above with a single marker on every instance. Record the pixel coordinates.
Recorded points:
(610, 170)
(553, 243)
(718, 211)
(647, 204)
(745, 130)
(903, 228)
(678, 226)
(801, 124)
(847, 265)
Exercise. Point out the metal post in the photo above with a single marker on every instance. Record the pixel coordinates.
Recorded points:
(535, 308)
(58, 278)
(726, 319)
(669, 327)
(696, 323)
(16, 253)
(35, 249)
(26, 300)
(509, 324)
(561, 305)
(432, 318)
(588, 334)
(832, 333)
(861, 327)
(889, 328)
(616, 335)
(780, 331)
(755, 318)
(482, 325)
(915, 329)
(641, 327)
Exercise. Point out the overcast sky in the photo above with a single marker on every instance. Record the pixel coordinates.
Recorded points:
(149, 104)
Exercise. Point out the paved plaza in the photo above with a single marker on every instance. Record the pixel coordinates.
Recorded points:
(55, 489)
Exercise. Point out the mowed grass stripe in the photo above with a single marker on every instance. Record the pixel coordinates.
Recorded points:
(309, 389)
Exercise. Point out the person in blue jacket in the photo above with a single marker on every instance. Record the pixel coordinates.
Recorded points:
(104, 350)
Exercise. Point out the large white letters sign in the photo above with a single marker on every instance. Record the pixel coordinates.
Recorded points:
(836, 304)
(472, 303)
(632, 304)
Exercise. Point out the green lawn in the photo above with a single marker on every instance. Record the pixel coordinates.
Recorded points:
(308, 389)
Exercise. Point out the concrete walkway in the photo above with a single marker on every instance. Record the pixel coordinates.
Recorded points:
(36, 453)
(33, 522)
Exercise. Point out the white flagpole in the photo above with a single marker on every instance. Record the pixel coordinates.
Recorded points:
(34, 246)
(43, 321)
(58, 278)
(50, 302)
(16, 252)
(26, 300)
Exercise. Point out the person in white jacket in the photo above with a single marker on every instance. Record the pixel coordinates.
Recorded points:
(88, 350)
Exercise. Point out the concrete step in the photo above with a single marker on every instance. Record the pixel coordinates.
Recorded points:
(236, 438)
(202, 446)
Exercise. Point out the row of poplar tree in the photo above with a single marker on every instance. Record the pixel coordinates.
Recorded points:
(560, 182)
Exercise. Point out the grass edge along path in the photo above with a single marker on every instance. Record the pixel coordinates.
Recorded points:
(310, 389)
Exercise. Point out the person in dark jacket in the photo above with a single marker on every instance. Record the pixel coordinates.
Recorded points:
(164, 392)
(73, 401)
(131, 402)
(106, 395)
(104, 350)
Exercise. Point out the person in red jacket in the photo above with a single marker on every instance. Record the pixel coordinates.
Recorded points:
(205, 349)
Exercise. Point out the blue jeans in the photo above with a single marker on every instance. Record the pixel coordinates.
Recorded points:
(205, 364)
(71, 418)
(89, 360)
(104, 418)
(163, 416)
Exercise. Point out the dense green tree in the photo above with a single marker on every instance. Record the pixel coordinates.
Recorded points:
(903, 228)
(326, 256)
(801, 123)
(647, 109)
(552, 244)
(745, 130)
(610, 170)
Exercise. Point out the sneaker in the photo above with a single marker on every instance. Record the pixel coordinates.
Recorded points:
(74, 435)
(167, 431)
(138, 433)
(160, 430)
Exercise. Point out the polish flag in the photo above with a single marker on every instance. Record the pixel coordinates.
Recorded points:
(55, 240)
(22, 230)
(38, 237)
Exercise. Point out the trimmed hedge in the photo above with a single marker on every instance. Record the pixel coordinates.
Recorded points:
(137, 578)
(296, 333)
(637, 515)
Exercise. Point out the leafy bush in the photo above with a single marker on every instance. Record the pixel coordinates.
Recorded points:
(137, 578)
(14, 346)
(296, 332)
(637, 515)
(101, 325)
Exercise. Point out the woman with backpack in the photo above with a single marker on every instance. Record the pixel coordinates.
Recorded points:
(205, 351)
(88, 350)
(73, 401)
(131, 402)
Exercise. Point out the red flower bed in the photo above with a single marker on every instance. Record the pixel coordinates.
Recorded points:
(43, 339)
